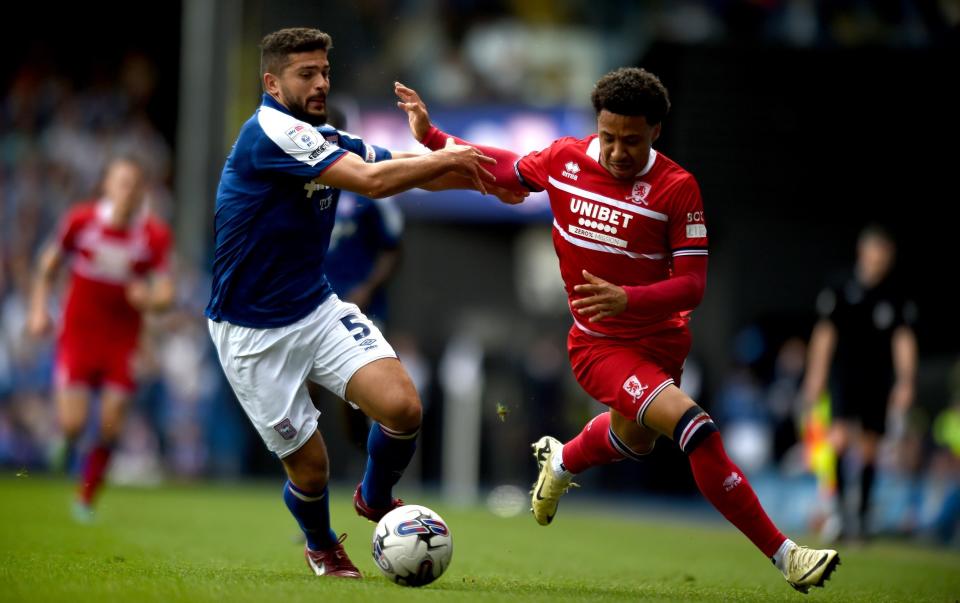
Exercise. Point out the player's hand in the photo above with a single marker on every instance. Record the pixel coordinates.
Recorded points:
(415, 108)
(138, 294)
(39, 323)
(469, 162)
(603, 299)
(506, 195)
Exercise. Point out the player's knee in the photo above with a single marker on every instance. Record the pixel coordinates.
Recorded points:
(634, 444)
(403, 410)
(109, 431)
(693, 428)
(72, 426)
(312, 476)
(643, 448)
(406, 416)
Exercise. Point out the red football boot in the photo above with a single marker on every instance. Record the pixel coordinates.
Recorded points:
(364, 510)
(332, 561)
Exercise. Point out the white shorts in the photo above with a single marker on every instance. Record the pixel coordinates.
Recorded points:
(268, 368)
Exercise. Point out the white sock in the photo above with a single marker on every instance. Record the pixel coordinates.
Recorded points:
(780, 557)
(556, 465)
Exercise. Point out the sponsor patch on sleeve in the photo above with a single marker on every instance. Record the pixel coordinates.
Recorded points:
(318, 151)
(304, 137)
(696, 231)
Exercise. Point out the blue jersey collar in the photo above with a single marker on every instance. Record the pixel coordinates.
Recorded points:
(269, 101)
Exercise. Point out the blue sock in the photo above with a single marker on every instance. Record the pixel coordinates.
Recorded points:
(388, 454)
(312, 512)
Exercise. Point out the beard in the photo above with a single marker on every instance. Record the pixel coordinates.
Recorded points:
(299, 110)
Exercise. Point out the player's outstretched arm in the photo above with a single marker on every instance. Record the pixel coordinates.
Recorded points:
(154, 295)
(386, 178)
(823, 342)
(682, 291)
(39, 322)
(904, 348)
(432, 138)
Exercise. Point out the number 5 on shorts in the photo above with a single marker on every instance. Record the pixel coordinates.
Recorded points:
(352, 322)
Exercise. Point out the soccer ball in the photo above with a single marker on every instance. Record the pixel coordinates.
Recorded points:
(412, 545)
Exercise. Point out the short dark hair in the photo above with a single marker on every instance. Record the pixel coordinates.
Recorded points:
(276, 47)
(632, 91)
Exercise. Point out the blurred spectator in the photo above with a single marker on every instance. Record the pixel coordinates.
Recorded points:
(941, 502)
(784, 393)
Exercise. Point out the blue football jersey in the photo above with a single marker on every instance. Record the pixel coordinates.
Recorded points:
(273, 221)
(364, 228)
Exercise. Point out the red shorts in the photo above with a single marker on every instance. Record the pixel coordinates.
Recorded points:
(95, 364)
(627, 375)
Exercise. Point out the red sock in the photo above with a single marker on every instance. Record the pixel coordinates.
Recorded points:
(592, 447)
(94, 468)
(725, 486)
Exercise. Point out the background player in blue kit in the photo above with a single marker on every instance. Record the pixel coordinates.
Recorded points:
(365, 246)
(363, 256)
(273, 316)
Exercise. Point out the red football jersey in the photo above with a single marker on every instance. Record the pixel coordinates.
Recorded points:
(623, 232)
(103, 261)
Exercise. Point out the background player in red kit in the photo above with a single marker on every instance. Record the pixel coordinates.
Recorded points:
(118, 270)
(630, 234)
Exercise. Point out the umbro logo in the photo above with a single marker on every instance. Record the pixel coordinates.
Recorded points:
(570, 170)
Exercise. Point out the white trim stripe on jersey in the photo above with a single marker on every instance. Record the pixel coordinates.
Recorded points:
(623, 205)
(683, 252)
(593, 149)
(604, 248)
(276, 125)
(585, 329)
(646, 403)
(650, 161)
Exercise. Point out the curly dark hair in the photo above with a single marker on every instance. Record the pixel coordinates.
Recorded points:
(632, 91)
(276, 47)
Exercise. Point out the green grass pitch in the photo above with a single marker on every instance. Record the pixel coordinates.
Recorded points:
(230, 544)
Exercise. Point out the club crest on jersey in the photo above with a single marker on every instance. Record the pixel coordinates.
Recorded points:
(639, 193)
(633, 387)
(302, 136)
(570, 170)
(286, 429)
